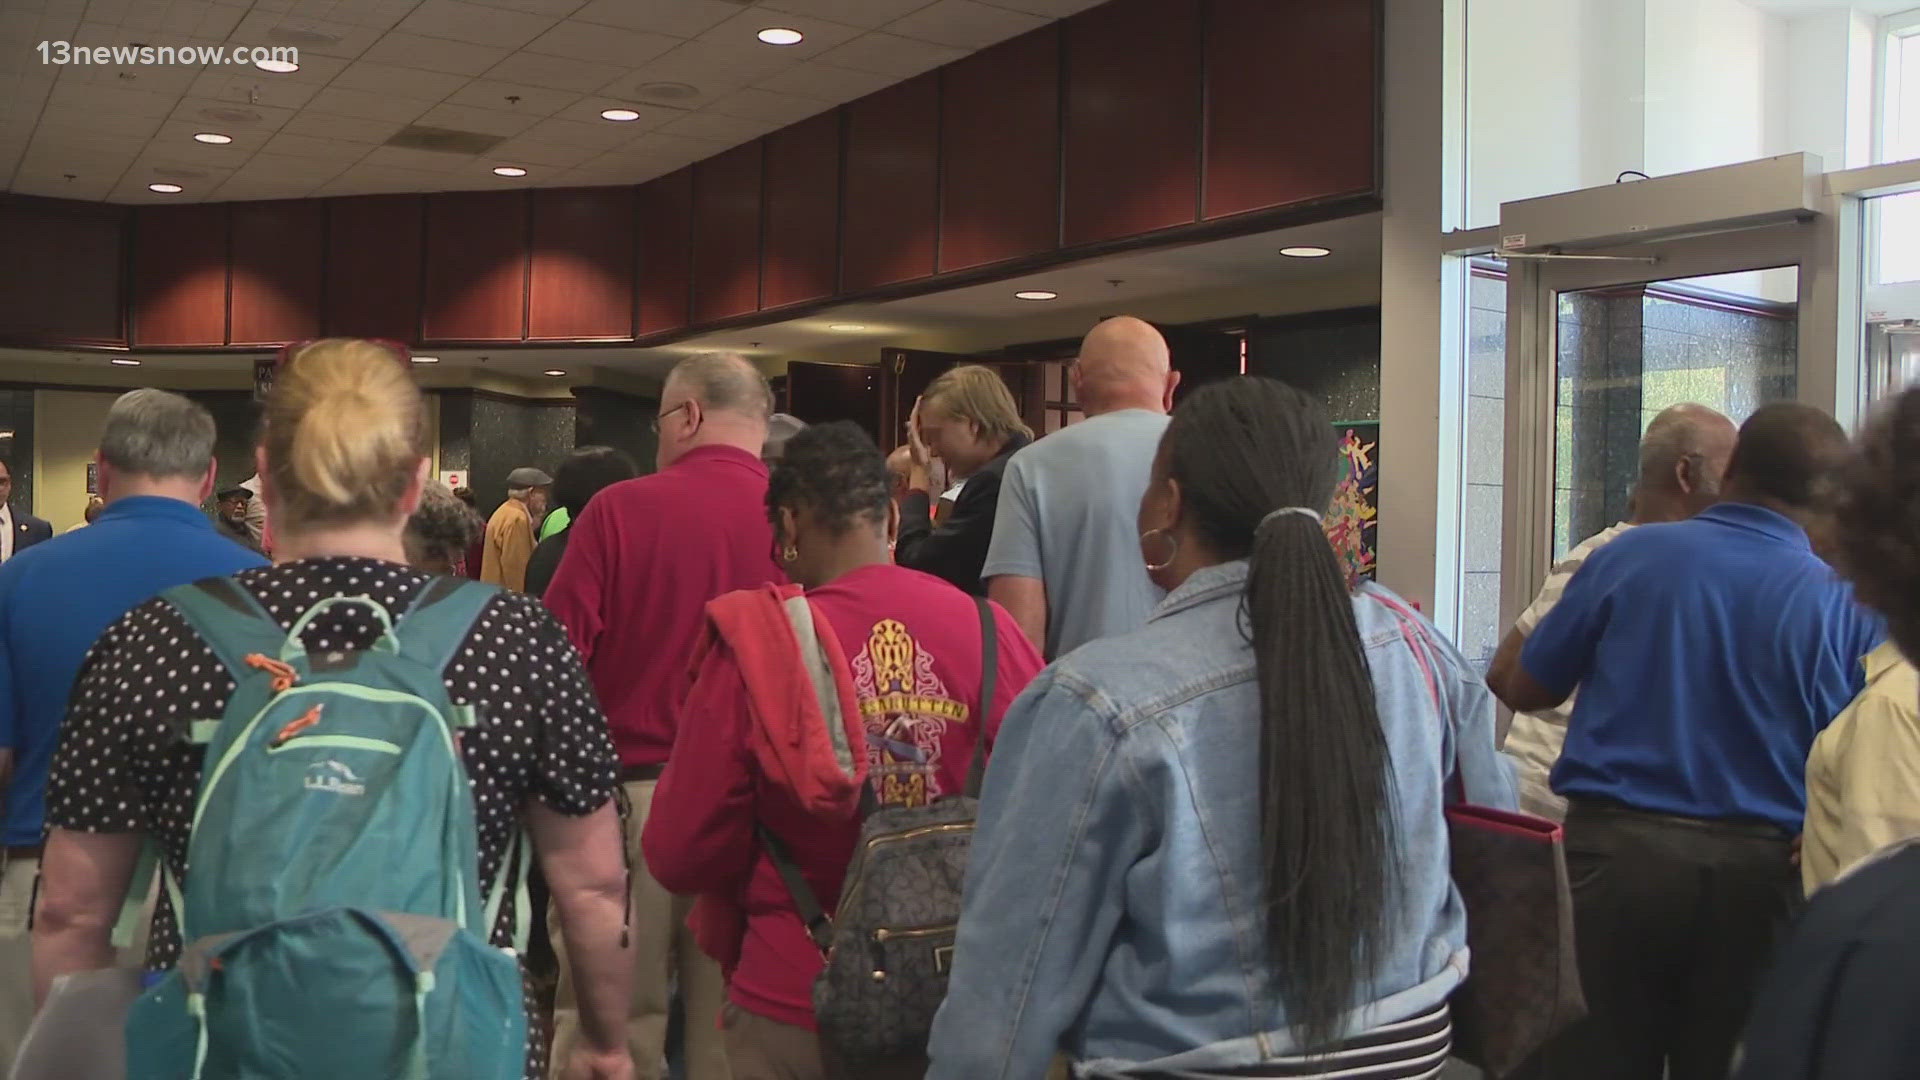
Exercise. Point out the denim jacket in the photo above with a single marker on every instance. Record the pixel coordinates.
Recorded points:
(1113, 905)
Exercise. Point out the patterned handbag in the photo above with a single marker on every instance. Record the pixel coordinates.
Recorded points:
(1511, 870)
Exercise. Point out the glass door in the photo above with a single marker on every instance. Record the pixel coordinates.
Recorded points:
(1601, 340)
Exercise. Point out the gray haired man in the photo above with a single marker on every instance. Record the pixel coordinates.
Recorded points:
(155, 468)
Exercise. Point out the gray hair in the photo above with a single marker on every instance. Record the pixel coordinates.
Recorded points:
(442, 526)
(725, 382)
(157, 434)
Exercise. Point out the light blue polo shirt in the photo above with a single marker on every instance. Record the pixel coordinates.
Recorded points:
(57, 597)
(1708, 654)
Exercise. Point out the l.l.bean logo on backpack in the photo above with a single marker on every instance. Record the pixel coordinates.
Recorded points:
(332, 776)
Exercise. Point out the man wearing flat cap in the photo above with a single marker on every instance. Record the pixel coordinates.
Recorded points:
(510, 531)
(230, 516)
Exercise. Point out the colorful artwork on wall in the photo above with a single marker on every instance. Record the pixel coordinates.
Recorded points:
(1353, 518)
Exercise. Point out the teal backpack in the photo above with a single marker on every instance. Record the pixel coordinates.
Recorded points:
(331, 923)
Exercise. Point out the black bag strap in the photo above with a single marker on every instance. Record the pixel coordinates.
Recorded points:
(989, 675)
(814, 917)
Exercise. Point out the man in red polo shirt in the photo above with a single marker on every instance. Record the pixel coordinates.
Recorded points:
(646, 557)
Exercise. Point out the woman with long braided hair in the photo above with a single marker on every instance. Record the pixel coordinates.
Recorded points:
(1216, 846)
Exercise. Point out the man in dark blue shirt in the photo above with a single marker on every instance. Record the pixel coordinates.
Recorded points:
(1708, 654)
(155, 468)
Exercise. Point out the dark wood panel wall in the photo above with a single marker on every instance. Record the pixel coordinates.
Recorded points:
(1135, 122)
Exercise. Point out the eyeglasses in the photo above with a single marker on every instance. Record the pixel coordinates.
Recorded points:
(669, 412)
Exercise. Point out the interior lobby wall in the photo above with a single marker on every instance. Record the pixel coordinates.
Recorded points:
(1333, 355)
(67, 426)
(16, 447)
(490, 435)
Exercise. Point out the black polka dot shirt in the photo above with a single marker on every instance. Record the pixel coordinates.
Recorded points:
(123, 767)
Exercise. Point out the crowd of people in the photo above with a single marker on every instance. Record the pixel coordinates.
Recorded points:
(1212, 774)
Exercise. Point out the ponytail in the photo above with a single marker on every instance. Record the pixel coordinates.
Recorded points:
(1248, 454)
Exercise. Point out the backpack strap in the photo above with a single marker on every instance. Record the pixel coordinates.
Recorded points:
(441, 617)
(229, 618)
(989, 677)
(515, 866)
(814, 917)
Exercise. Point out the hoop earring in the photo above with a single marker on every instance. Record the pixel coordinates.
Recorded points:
(790, 554)
(1171, 555)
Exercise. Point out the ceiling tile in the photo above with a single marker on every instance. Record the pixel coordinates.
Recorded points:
(316, 36)
(533, 152)
(705, 64)
(377, 14)
(533, 101)
(365, 106)
(285, 144)
(730, 130)
(57, 186)
(400, 157)
(58, 121)
(105, 100)
(558, 9)
(655, 145)
(373, 78)
(587, 111)
(964, 24)
(622, 175)
(230, 116)
(371, 179)
(755, 104)
(601, 44)
(870, 14)
(889, 54)
(553, 72)
(597, 136)
(176, 136)
(829, 84)
(435, 54)
(485, 121)
(315, 70)
(677, 18)
(477, 25)
(313, 169)
(821, 34)
(20, 27)
(250, 89)
(358, 129)
(1052, 9)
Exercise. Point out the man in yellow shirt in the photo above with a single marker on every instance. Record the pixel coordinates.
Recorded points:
(510, 540)
(1863, 776)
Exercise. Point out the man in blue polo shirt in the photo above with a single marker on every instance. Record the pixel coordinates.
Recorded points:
(155, 468)
(1708, 654)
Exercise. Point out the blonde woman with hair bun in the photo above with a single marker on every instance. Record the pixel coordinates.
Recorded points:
(343, 457)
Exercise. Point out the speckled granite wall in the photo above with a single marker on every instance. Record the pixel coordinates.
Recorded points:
(490, 436)
(1334, 355)
(623, 421)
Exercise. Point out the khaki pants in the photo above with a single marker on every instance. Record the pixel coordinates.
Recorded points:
(17, 877)
(762, 1049)
(662, 948)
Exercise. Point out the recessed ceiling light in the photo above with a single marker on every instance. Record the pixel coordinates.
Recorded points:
(1306, 252)
(124, 361)
(166, 189)
(847, 327)
(1036, 294)
(509, 170)
(426, 359)
(553, 373)
(278, 67)
(619, 116)
(212, 137)
(781, 35)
